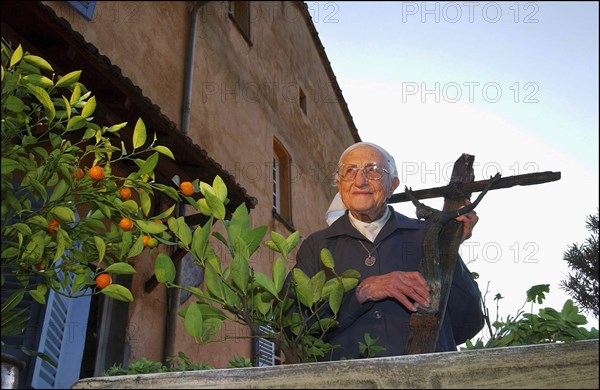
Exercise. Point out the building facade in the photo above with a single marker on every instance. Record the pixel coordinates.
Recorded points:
(243, 90)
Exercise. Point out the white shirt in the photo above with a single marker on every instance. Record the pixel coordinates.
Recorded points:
(370, 230)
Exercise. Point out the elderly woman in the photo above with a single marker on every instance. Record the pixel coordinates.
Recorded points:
(385, 247)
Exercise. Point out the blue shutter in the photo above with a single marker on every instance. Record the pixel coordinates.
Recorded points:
(86, 8)
(63, 340)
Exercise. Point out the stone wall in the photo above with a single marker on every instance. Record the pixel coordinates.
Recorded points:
(568, 365)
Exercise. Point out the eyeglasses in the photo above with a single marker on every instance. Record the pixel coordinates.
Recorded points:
(371, 171)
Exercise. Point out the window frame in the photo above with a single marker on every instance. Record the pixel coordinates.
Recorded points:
(282, 186)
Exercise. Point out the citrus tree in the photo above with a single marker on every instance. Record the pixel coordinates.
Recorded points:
(69, 221)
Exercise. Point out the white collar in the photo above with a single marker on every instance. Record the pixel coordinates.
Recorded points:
(370, 229)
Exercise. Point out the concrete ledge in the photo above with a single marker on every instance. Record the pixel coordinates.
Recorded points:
(567, 365)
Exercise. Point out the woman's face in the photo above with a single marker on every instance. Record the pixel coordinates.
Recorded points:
(364, 197)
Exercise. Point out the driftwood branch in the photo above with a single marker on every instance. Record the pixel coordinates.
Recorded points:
(478, 186)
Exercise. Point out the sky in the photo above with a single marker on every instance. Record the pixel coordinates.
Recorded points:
(513, 83)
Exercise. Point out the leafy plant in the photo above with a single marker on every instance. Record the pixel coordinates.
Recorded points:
(240, 362)
(369, 348)
(548, 326)
(181, 362)
(65, 220)
(298, 313)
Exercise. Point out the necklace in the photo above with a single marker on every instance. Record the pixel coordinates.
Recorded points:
(370, 259)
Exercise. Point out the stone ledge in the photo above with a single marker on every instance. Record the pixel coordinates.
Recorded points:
(565, 365)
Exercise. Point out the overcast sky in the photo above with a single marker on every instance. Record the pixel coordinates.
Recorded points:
(513, 83)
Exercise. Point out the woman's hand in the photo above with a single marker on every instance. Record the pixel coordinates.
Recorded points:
(405, 287)
(469, 221)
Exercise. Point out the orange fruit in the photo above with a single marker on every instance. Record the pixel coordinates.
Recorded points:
(158, 221)
(103, 280)
(96, 173)
(40, 266)
(125, 193)
(145, 238)
(79, 174)
(186, 188)
(152, 242)
(53, 226)
(126, 223)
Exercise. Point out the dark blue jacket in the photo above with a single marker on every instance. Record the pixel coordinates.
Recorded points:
(388, 320)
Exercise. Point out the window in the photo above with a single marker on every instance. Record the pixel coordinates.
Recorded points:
(302, 100)
(239, 12)
(282, 192)
(86, 8)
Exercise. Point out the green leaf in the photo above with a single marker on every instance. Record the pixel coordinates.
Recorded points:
(63, 213)
(335, 297)
(39, 294)
(42, 96)
(11, 302)
(216, 206)
(130, 205)
(213, 281)
(16, 56)
(164, 269)
(89, 107)
(327, 258)
(14, 104)
(261, 301)
(537, 293)
(202, 206)
(316, 285)
(59, 191)
(118, 292)
(183, 232)
(68, 79)
(200, 240)
(75, 95)
(278, 243)
(220, 188)
(165, 213)
(278, 274)
(164, 150)
(265, 282)
(75, 123)
(116, 128)
(100, 247)
(239, 223)
(39, 80)
(292, 240)
(149, 165)
(349, 283)
(38, 61)
(302, 287)
(145, 202)
(9, 165)
(151, 227)
(193, 322)
(139, 134)
(240, 270)
(120, 269)
(136, 248)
